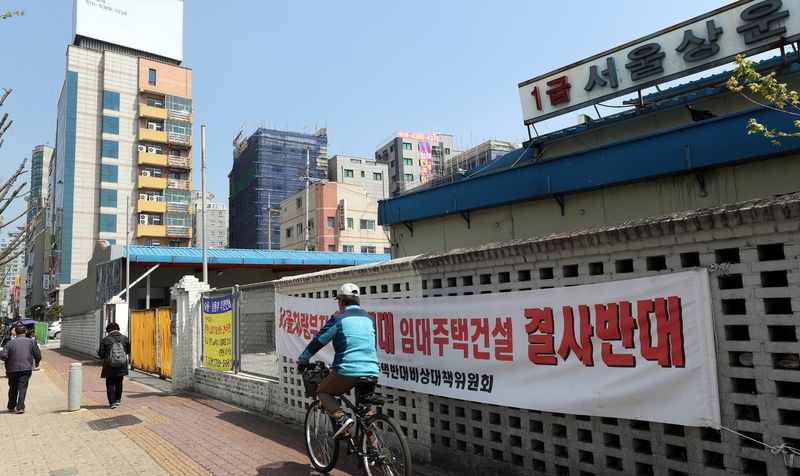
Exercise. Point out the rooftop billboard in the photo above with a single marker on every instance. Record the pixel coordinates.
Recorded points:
(151, 26)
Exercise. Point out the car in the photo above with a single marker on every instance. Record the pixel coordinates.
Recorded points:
(54, 330)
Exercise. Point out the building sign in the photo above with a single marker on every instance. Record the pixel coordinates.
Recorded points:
(418, 136)
(747, 27)
(425, 161)
(341, 214)
(639, 349)
(218, 333)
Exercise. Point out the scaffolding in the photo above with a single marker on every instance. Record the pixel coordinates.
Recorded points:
(269, 166)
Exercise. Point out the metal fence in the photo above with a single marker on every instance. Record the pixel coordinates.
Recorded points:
(253, 328)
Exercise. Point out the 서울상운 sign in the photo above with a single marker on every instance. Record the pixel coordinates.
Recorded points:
(640, 349)
(747, 27)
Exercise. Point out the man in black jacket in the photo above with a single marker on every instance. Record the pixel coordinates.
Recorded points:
(21, 355)
(113, 375)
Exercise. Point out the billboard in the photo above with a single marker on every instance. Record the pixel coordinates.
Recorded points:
(747, 26)
(151, 26)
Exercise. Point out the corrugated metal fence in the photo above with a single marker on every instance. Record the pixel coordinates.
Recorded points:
(151, 342)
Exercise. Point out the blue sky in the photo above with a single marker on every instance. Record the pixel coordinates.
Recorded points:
(363, 69)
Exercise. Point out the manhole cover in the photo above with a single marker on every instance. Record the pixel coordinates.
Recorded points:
(113, 422)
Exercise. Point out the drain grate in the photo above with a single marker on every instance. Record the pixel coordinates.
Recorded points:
(113, 422)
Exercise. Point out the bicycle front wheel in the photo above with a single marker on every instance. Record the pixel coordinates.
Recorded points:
(384, 448)
(322, 449)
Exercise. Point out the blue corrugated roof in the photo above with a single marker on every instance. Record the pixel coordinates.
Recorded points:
(239, 257)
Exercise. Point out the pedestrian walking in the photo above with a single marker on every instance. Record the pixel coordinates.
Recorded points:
(21, 356)
(113, 372)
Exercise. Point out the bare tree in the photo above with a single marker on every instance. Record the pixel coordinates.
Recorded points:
(10, 191)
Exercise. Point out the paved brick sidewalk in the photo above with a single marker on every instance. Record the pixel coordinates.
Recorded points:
(171, 434)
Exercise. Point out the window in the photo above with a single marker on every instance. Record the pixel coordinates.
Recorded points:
(368, 249)
(299, 203)
(111, 100)
(376, 176)
(331, 222)
(387, 251)
(393, 163)
(447, 151)
(108, 198)
(331, 247)
(311, 224)
(152, 172)
(111, 149)
(355, 161)
(299, 228)
(408, 177)
(108, 223)
(408, 161)
(391, 148)
(407, 146)
(175, 175)
(155, 102)
(367, 224)
(369, 162)
(289, 232)
(221, 213)
(220, 244)
(362, 174)
(154, 149)
(349, 223)
(220, 233)
(221, 223)
(347, 248)
(348, 173)
(109, 173)
(151, 78)
(174, 153)
(111, 125)
(155, 126)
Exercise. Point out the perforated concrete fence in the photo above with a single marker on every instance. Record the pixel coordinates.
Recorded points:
(751, 251)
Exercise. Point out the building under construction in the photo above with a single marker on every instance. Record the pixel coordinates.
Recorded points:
(269, 166)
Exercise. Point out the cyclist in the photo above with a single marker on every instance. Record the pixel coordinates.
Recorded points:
(352, 331)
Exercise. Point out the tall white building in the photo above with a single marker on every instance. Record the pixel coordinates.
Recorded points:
(216, 228)
(124, 135)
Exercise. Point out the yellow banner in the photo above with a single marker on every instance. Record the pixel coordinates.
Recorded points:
(218, 333)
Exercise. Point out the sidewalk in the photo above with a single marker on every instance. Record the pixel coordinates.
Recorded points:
(151, 432)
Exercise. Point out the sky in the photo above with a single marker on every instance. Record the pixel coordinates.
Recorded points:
(364, 70)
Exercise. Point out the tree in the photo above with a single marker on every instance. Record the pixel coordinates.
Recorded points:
(54, 313)
(9, 14)
(780, 97)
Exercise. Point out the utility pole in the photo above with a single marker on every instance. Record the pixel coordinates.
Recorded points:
(307, 177)
(269, 210)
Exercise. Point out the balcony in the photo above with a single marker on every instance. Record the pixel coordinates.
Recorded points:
(179, 162)
(179, 231)
(147, 205)
(180, 139)
(152, 182)
(174, 207)
(152, 112)
(179, 184)
(149, 158)
(151, 135)
(151, 230)
(180, 116)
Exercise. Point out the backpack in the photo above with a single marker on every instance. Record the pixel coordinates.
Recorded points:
(116, 356)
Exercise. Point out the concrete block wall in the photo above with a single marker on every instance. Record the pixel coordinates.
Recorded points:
(751, 250)
(81, 333)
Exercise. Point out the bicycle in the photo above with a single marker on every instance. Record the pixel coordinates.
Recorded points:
(376, 439)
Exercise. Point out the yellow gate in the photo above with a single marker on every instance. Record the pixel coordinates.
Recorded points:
(151, 341)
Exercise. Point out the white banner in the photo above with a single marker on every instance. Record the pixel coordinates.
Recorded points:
(640, 349)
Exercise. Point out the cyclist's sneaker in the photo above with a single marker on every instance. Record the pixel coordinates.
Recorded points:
(341, 426)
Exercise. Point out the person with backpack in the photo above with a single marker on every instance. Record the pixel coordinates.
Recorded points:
(21, 356)
(114, 350)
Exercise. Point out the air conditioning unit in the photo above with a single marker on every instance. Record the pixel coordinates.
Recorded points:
(143, 219)
(153, 198)
(142, 196)
(151, 150)
(145, 173)
(152, 126)
(142, 148)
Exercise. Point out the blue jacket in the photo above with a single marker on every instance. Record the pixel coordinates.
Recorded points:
(353, 334)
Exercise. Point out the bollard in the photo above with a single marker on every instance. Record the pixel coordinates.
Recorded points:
(75, 387)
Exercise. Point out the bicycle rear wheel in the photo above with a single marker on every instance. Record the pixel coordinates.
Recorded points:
(322, 449)
(384, 448)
